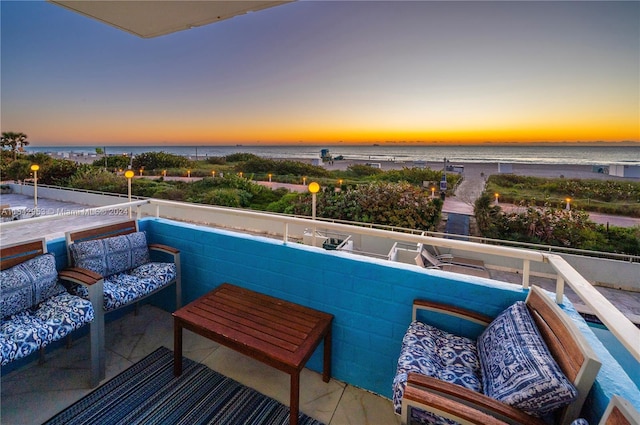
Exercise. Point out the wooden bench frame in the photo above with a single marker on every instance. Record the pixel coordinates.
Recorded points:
(14, 254)
(94, 282)
(620, 412)
(566, 343)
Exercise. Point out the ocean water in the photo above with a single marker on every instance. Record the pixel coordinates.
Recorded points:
(533, 154)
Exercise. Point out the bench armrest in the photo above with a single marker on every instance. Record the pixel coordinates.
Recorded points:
(460, 312)
(164, 248)
(459, 403)
(80, 276)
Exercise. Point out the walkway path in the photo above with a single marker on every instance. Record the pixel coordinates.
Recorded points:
(473, 185)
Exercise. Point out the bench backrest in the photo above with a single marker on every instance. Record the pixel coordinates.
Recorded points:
(11, 255)
(567, 345)
(100, 232)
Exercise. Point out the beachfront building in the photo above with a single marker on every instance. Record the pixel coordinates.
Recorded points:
(624, 170)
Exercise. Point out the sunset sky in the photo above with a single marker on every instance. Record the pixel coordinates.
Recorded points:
(329, 71)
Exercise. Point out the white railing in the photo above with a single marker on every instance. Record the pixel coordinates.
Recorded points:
(617, 323)
(620, 326)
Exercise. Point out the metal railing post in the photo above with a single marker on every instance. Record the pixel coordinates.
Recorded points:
(526, 264)
(559, 289)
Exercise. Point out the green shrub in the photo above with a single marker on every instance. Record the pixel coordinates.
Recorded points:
(417, 176)
(19, 169)
(554, 226)
(59, 172)
(114, 162)
(286, 167)
(169, 193)
(227, 197)
(159, 161)
(99, 180)
(358, 170)
(216, 160)
(392, 204)
(240, 157)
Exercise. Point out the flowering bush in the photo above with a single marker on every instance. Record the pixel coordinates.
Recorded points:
(392, 204)
(553, 226)
(608, 196)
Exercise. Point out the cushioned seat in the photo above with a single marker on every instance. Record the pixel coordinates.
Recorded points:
(124, 288)
(509, 370)
(26, 332)
(433, 352)
(35, 309)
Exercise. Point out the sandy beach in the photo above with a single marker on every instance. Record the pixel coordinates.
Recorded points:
(472, 170)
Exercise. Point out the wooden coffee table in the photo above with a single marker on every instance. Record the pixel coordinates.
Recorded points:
(276, 332)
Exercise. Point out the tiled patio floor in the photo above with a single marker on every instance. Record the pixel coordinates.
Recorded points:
(35, 392)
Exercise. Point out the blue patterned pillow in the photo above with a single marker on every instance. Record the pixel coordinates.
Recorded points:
(27, 284)
(111, 255)
(517, 367)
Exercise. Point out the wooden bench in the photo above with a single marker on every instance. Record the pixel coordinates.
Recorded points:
(566, 345)
(111, 283)
(28, 272)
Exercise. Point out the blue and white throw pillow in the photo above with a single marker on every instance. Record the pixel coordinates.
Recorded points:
(29, 283)
(517, 367)
(113, 255)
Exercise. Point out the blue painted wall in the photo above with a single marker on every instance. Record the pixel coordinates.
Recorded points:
(370, 299)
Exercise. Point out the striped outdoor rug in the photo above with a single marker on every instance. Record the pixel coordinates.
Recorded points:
(148, 393)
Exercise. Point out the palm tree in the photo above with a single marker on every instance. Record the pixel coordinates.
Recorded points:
(16, 141)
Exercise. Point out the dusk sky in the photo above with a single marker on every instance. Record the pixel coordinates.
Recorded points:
(328, 71)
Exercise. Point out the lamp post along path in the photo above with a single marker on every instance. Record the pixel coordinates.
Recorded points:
(314, 188)
(35, 168)
(129, 175)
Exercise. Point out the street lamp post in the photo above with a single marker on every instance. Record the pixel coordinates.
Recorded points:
(129, 175)
(313, 188)
(269, 177)
(35, 168)
(568, 207)
(497, 195)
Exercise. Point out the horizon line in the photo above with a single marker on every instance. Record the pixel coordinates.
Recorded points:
(334, 143)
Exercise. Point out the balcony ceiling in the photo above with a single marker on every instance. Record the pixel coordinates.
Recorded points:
(153, 18)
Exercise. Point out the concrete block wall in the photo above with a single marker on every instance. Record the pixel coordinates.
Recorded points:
(371, 300)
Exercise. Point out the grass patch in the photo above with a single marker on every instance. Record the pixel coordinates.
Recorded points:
(604, 196)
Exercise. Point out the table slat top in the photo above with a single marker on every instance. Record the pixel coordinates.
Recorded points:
(259, 324)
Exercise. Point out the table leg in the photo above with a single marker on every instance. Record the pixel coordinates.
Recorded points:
(177, 347)
(294, 398)
(326, 368)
